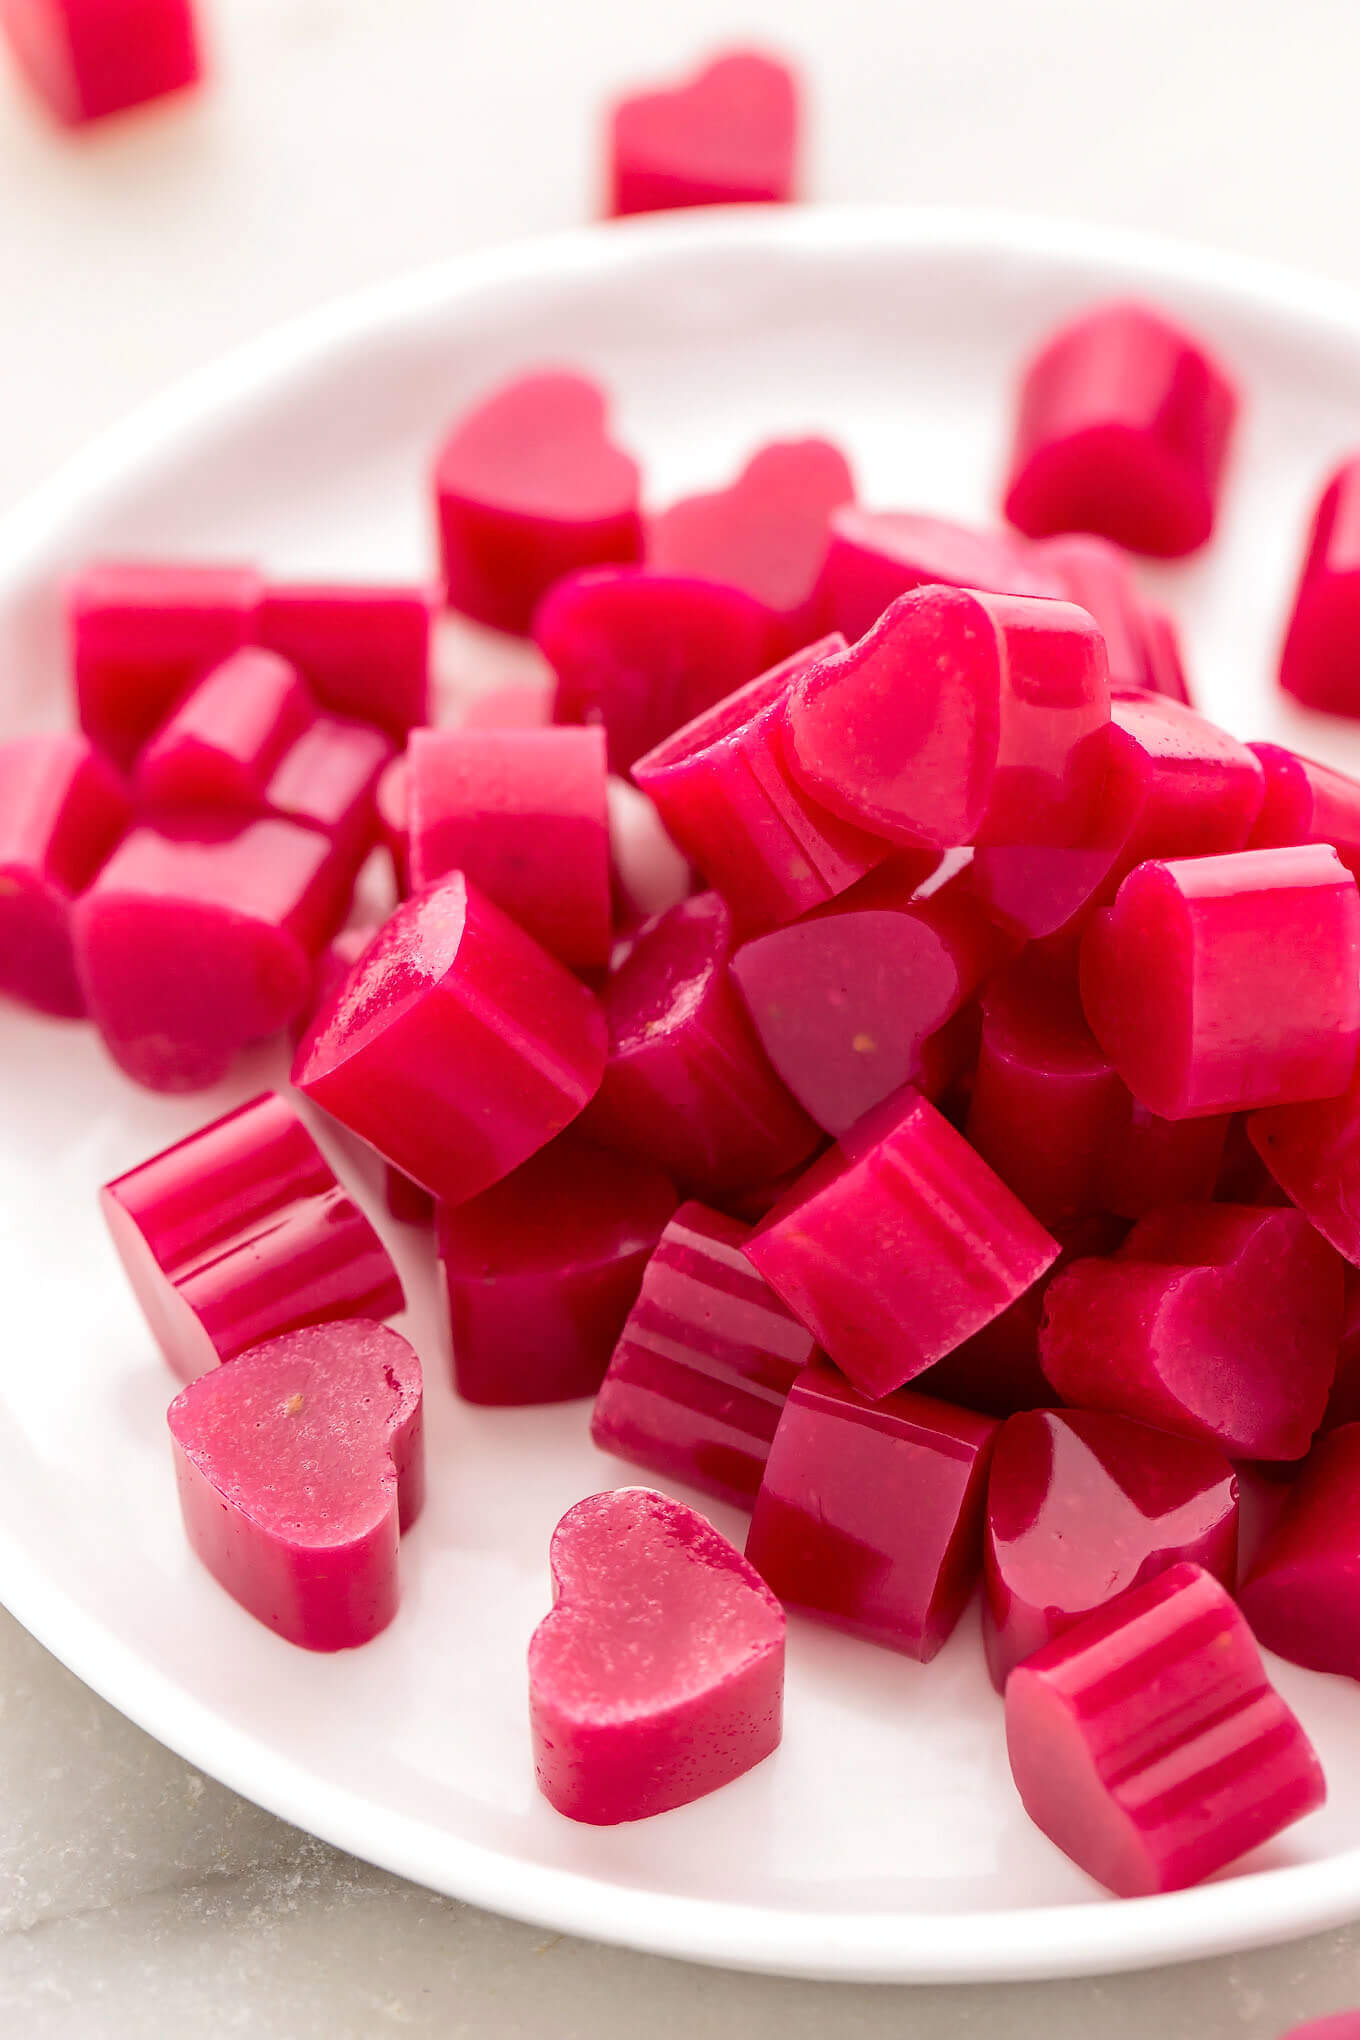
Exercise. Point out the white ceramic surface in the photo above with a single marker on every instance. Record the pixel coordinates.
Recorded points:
(884, 1839)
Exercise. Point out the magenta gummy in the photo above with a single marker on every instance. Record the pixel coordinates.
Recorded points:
(390, 800)
(1123, 429)
(766, 533)
(241, 1232)
(659, 1674)
(1312, 1153)
(687, 1084)
(541, 1270)
(1148, 1743)
(1302, 1595)
(873, 556)
(62, 809)
(1307, 803)
(1080, 1506)
(847, 1000)
(869, 1514)
(198, 937)
(1166, 672)
(726, 136)
(1098, 578)
(960, 718)
(530, 487)
(364, 651)
(329, 778)
(299, 1467)
(702, 1367)
(1216, 984)
(219, 747)
(898, 1244)
(1318, 661)
(723, 788)
(142, 633)
(458, 1047)
(86, 60)
(523, 813)
(1219, 1321)
(643, 652)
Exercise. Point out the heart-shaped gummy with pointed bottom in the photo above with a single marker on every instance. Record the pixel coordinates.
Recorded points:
(725, 137)
(530, 486)
(659, 1673)
(299, 1466)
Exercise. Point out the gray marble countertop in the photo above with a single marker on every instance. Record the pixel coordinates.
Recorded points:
(137, 1898)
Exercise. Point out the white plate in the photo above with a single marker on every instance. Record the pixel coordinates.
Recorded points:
(884, 1840)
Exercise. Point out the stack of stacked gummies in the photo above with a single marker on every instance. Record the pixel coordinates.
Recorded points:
(963, 1176)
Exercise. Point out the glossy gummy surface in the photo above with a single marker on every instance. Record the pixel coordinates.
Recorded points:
(218, 748)
(726, 136)
(1312, 1153)
(62, 809)
(1302, 1594)
(1306, 802)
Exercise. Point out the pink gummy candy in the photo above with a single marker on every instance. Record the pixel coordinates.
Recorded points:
(648, 873)
(765, 533)
(873, 556)
(531, 487)
(1302, 1595)
(198, 937)
(240, 1232)
(698, 1378)
(458, 1047)
(1081, 1505)
(1318, 663)
(1216, 984)
(869, 1514)
(1219, 1321)
(1341, 2026)
(1313, 1155)
(89, 58)
(643, 652)
(141, 634)
(1175, 786)
(1048, 1113)
(329, 780)
(659, 1674)
(1139, 642)
(219, 747)
(1306, 802)
(523, 813)
(1148, 1743)
(364, 651)
(1166, 672)
(1123, 428)
(299, 1467)
(960, 718)
(846, 1000)
(898, 1244)
(541, 1270)
(727, 136)
(390, 800)
(723, 788)
(62, 809)
(687, 1084)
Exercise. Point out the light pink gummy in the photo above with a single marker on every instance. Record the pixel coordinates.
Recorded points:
(726, 136)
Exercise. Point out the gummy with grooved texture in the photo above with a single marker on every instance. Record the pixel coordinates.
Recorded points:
(62, 809)
(726, 136)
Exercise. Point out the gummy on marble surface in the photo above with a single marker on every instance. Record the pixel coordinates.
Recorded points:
(1218, 984)
(198, 937)
(687, 1084)
(218, 748)
(458, 1047)
(1080, 1506)
(874, 556)
(240, 1232)
(695, 1385)
(530, 486)
(1307, 802)
(541, 1270)
(364, 650)
(1123, 429)
(658, 1675)
(1219, 1321)
(765, 533)
(142, 632)
(644, 652)
(898, 1244)
(86, 59)
(1302, 1594)
(869, 1514)
(726, 136)
(523, 813)
(62, 809)
(1148, 1743)
(1318, 660)
(960, 718)
(299, 1468)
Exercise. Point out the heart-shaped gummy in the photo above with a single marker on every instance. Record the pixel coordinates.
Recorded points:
(725, 137)
(659, 1673)
(299, 1465)
(530, 487)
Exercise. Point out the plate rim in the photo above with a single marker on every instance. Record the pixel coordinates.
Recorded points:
(1254, 1910)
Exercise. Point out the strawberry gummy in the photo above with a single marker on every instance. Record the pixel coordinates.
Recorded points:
(90, 58)
(62, 809)
(725, 137)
